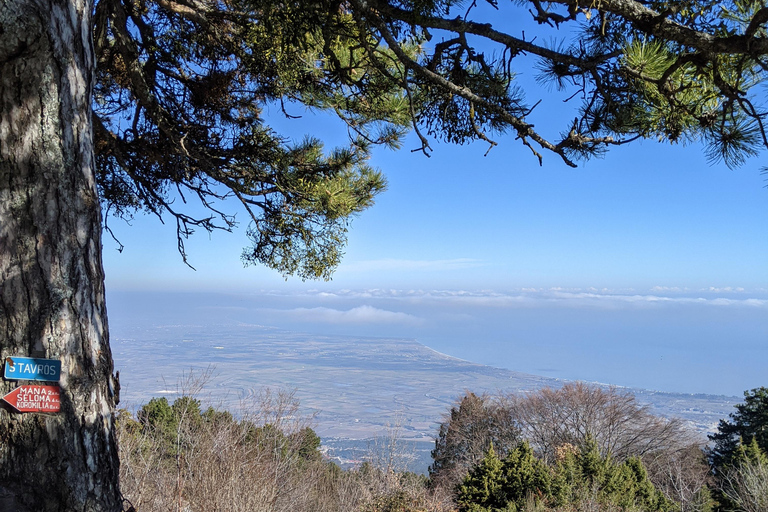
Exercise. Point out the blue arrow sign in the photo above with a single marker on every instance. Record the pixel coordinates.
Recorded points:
(29, 368)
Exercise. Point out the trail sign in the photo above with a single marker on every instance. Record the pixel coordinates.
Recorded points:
(28, 368)
(35, 399)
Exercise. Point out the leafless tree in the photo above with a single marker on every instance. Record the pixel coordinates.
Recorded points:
(682, 475)
(746, 485)
(551, 417)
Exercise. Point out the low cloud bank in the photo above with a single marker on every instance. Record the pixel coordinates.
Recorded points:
(566, 297)
(358, 315)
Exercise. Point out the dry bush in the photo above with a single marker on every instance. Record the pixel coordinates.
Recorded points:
(210, 461)
(141, 464)
(249, 465)
(683, 476)
(388, 486)
(265, 460)
(388, 491)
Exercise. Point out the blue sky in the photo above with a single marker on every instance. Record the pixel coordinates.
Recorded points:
(647, 215)
(643, 268)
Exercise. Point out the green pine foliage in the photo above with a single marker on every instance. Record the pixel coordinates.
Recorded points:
(522, 482)
(174, 428)
(185, 94)
(525, 477)
(704, 500)
(747, 425)
(181, 100)
(484, 488)
(749, 453)
(586, 475)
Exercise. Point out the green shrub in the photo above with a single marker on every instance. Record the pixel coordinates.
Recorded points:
(521, 482)
(507, 484)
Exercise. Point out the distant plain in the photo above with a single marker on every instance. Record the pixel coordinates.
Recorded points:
(352, 387)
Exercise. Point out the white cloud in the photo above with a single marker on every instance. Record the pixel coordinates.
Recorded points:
(667, 289)
(725, 289)
(358, 315)
(533, 297)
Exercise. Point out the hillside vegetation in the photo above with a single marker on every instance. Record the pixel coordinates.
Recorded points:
(573, 449)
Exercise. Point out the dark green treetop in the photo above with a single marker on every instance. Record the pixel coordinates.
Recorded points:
(748, 425)
(483, 487)
(504, 484)
(178, 425)
(583, 474)
(580, 477)
(525, 476)
(750, 452)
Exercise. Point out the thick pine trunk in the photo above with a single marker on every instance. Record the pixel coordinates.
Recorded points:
(51, 276)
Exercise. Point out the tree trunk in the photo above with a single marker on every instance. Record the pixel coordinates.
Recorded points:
(51, 276)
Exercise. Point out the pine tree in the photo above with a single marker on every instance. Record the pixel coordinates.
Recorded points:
(179, 106)
(472, 425)
(525, 477)
(145, 105)
(749, 453)
(579, 479)
(483, 489)
(585, 476)
(675, 71)
(507, 484)
(748, 424)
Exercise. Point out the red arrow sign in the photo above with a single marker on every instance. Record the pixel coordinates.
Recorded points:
(35, 399)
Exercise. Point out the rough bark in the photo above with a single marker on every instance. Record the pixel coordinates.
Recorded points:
(51, 276)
